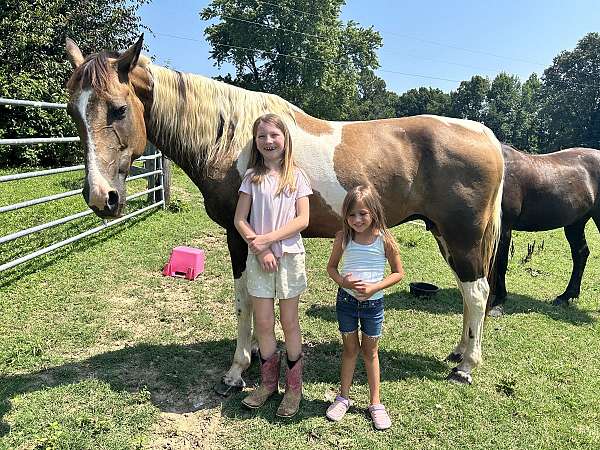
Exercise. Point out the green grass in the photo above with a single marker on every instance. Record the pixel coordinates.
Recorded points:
(99, 350)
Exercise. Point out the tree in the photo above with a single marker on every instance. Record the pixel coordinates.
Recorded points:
(528, 124)
(298, 49)
(33, 65)
(374, 100)
(423, 101)
(571, 96)
(469, 101)
(503, 101)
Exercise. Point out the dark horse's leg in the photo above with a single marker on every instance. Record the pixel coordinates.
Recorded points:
(579, 253)
(501, 264)
(238, 249)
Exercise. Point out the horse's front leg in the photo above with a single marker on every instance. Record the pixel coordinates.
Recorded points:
(238, 250)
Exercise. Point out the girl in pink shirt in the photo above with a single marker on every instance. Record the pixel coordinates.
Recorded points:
(272, 209)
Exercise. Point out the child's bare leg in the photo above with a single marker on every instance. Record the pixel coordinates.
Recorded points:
(288, 310)
(351, 349)
(369, 349)
(264, 322)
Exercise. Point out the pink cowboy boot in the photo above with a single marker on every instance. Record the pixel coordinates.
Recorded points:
(293, 390)
(269, 383)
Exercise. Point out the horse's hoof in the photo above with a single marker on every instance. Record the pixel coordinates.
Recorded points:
(454, 357)
(458, 376)
(496, 311)
(223, 388)
(560, 301)
(226, 389)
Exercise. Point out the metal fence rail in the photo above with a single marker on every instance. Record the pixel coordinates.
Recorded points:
(154, 169)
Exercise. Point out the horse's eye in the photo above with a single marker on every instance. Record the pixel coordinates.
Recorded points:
(118, 112)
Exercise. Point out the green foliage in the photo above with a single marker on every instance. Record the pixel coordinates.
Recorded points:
(423, 101)
(571, 96)
(311, 59)
(469, 101)
(33, 66)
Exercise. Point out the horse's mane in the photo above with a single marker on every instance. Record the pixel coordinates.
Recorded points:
(211, 119)
(93, 73)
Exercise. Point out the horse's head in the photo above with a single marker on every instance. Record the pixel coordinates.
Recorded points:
(110, 120)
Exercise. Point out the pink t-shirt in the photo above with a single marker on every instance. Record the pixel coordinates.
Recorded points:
(269, 212)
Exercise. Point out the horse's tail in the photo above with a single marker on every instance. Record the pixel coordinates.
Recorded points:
(491, 235)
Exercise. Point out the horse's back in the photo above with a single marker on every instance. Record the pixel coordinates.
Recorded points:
(543, 192)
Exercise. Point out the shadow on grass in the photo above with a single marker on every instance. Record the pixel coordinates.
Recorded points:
(181, 378)
(448, 301)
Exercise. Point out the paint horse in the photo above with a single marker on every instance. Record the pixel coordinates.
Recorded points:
(543, 192)
(447, 172)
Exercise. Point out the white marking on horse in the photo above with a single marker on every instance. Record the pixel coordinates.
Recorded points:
(315, 155)
(475, 294)
(92, 165)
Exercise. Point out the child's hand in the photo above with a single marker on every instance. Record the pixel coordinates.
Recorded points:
(267, 260)
(259, 243)
(364, 290)
(349, 282)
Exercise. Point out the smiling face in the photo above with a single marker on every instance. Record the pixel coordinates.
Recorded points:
(359, 217)
(110, 121)
(270, 142)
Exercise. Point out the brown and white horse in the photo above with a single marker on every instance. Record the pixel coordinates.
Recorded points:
(448, 172)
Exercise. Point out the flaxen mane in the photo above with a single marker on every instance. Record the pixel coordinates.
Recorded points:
(208, 116)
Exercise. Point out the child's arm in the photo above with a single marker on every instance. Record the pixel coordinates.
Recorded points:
(366, 290)
(240, 220)
(262, 242)
(334, 261)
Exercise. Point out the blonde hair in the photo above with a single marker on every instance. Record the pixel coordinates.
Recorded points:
(369, 197)
(204, 119)
(257, 163)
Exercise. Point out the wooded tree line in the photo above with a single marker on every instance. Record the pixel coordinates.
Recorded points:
(298, 49)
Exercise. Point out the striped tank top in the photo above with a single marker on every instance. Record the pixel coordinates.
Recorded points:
(365, 262)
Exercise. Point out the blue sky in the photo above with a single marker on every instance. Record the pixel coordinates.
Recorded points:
(426, 43)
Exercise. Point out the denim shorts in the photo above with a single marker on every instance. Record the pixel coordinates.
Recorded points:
(351, 312)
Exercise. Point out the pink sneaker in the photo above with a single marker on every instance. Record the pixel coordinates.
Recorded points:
(380, 417)
(338, 408)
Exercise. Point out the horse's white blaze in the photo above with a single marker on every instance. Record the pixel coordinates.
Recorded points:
(315, 155)
(99, 187)
(475, 294)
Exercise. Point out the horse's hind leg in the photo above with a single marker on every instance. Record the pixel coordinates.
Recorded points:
(243, 309)
(468, 266)
(499, 273)
(579, 254)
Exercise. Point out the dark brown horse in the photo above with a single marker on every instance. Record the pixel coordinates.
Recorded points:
(544, 192)
(448, 172)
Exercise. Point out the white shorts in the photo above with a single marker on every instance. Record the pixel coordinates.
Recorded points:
(287, 282)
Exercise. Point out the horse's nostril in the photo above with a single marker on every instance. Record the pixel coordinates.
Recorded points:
(113, 200)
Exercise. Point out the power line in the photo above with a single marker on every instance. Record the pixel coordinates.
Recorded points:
(428, 41)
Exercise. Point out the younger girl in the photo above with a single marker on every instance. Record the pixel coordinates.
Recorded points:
(271, 211)
(365, 244)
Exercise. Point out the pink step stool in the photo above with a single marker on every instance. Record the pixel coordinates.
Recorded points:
(185, 262)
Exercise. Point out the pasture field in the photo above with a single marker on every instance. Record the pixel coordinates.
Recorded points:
(99, 351)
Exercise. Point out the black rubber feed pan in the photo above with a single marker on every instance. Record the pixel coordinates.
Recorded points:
(423, 289)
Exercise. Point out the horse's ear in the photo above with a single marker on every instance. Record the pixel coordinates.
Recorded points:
(74, 54)
(128, 60)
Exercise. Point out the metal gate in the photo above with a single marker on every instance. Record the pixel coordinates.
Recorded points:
(156, 169)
